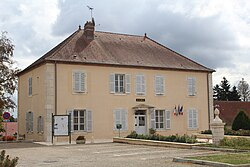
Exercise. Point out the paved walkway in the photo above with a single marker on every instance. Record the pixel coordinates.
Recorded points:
(99, 155)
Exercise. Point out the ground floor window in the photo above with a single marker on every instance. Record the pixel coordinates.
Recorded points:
(29, 122)
(192, 119)
(81, 120)
(160, 119)
(40, 124)
(120, 117)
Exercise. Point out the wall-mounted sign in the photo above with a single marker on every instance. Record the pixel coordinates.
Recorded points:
(140, 100)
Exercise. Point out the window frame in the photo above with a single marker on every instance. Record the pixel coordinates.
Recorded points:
(159, 113)
(117, 83)
(79, 123)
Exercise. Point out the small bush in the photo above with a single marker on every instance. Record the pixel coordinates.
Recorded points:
(206, 132)
(5, 161)
(241, 121)
(152, 131)
(133, 134)
(8, 138)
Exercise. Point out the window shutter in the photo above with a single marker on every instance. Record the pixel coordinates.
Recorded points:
(30, 86)
(70, 112)
(152, 119)
(128, 83)
(27, 121)
(112, 83)
(124, 119)
(195, 119)
(167, 113)
(76, 81)
(38, 124)
(137, 83)
(143, 85)
(190, 119)
(117, 117)
(31, 121)
(82, 82)
(42, 125)
(89, 121)
(193, 86)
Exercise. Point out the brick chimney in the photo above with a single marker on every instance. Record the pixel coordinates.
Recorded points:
(89, 29)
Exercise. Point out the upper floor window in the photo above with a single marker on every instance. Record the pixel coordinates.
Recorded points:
(30, 86)
(140, 85)
(79, 82)
(29, 122)
(192, 119)
(191, 86)
(159, 85)
(119, 83)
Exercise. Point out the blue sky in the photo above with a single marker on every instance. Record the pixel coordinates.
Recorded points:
(211, 32)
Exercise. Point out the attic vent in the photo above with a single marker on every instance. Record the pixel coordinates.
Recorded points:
(74, 56)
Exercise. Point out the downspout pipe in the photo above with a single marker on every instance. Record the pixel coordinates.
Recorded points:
(55, 88)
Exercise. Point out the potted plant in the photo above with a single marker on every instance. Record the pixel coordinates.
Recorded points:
(80, 140)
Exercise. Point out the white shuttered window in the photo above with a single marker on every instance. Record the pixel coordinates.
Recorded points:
(79, 82)
(120, 117)
(159, 85)
(140, 85)
(191, 86)
(81, 120)
(192, 119)
(119, 83)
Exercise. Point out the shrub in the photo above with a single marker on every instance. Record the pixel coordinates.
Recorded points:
(8, 138)
(5, 161)
(172, 138)
(241, 121)
(152, 131)
(236, 143)
(206, 132)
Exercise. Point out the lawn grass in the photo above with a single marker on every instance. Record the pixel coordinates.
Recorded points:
(235, 159)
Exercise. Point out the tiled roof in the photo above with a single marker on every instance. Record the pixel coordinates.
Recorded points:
(230, 109)
(119, 50)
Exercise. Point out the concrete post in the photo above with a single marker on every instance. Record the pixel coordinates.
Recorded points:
(217, 127)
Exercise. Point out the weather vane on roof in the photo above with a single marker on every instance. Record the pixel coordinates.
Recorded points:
(91, 9)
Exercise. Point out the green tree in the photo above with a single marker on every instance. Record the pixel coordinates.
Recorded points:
(244, 90)
(223, 91)
(241, 121)
(8, 78)
(234, 95)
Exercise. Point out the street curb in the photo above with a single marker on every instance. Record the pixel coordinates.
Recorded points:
(218, 149)
(209, 163)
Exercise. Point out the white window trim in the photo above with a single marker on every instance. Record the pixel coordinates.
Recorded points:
(192, 127)
(127, 83)
(88, 120)
(84, 91)
(141, 92)
(156, 84)
(164, 117)
(79, 123)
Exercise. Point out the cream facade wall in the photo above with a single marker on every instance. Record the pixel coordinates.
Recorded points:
(102, 103)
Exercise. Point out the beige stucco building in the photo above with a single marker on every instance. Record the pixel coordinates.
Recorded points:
(103, 79)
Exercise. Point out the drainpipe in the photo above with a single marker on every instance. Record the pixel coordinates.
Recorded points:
(208, 97)
(55, 88)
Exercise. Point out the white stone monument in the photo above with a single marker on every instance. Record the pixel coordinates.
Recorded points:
(217, 127)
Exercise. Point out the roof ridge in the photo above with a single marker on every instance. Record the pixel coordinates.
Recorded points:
(180, 54)
(116, 33)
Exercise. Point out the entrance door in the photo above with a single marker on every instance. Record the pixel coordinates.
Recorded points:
(140, 122)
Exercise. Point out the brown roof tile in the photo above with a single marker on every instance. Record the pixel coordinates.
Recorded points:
(118, 49)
